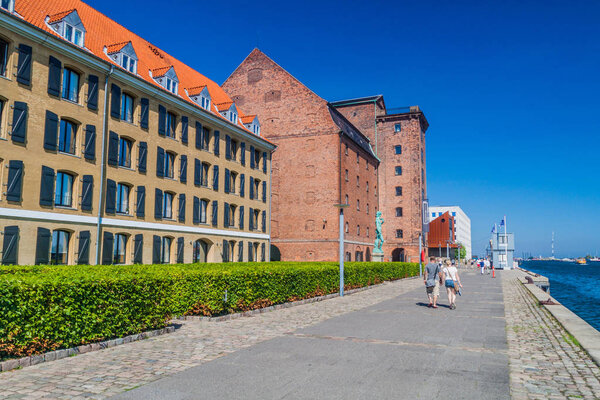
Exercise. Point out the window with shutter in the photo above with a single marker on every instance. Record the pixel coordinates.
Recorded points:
(243, 153)
(217, 135)
(215, 213)
(183, 169)
(42, 248)
(160, 162)
(111, 196)
(92, 98)
(226, 212)
(113, 149)
(184, 130)
(83, 251)
(181, 216)
(19, 122)
(143, 155)
(197, 172)
(24, 65)
(162, 120)
(198, 135)
(10, 246)
(138, 246)
(180, 245)
(216, 178)
(264, 221)
(264, 157)
(240, 251)
(107, 248)
(145, 107)
(87, 190)
(50, 131)
(251, 219)
(90, 142)
(264, 191)
(15, 180)
(158, 203)
(140, 210)
(242, 184)
(54, 72)
(241, 225)
(252, 161)
(227, 147)
(196, 211)
(115, 101)
(156, 249)
(227, 180)
(47, 187)
(251, 188)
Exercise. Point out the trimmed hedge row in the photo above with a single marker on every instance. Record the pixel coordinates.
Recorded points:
(43, 308)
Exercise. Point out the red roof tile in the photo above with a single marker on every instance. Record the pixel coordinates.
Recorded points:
(58, 16)
(158, 72)
(196, 90)
(247, 119)
(116, 47)
(224, 106)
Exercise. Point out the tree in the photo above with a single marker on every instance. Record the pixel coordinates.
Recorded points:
(462, 251)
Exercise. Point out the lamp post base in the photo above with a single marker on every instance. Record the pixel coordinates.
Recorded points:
(377, 257)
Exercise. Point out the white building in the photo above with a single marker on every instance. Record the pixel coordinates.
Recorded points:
(462, 225)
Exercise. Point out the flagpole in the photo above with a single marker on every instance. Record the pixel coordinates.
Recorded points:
(506, 241)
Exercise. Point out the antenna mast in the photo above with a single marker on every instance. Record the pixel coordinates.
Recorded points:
(552, 244)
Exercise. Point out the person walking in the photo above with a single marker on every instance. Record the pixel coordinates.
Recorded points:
(452, 283)
(481, 265)
(432, 278)
(487, 265)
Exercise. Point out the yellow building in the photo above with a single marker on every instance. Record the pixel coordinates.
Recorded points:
(113, 151)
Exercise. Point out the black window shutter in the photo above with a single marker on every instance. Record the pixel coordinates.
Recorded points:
(54, 71)
(198, 135)
(140, 210)
(156, 242)
(242, 184)
(243, 153)
(263, 253)
(227, 179)
(42, 248)
(251, 219)
(15, 180)
(227, 147)
(162, 120)
(215, 212)
(197, 171)
(216, 178)
(158, 203)
(108, 240)
(92, 100)
(182, 207)
(184, 129)
(217, 136)
(115, 101)
(240, 251)
(87, 190)
(183, 169)
(196, 211)
(250, 252)
(225, 250)
(241, 217)
(205, 138)
(83, 252)
(226, 212)
(113, 149)
(264, 221)
(19, 122)
(24, 65)
(251, 188)
(90, 142)
(47, 187)
(180, 242)
(264, 157)
(252, 161)
(50, 131)
(10, 247)
(145, 104)
(264, 191)
(111, 196)
(138, 246)
(160, 162)
(143, 155)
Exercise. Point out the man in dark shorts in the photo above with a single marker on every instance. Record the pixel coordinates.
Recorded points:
(432, 277)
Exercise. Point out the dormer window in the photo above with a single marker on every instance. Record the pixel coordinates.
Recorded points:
(200, 96)
(124, 55)
(252, 124)
(229, 111)
(166, 77)
(8, 5)
(68, 25)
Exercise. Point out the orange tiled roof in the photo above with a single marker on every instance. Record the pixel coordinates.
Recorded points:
(58, 16)
(116, 47)
(101, 30)
(247, 119)
(158, 72)
(196, 90)
(224, 106)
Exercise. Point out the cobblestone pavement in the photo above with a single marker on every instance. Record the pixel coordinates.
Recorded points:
(103, 373)
(544, 361)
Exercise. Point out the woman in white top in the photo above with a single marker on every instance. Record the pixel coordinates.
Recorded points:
(452, 283)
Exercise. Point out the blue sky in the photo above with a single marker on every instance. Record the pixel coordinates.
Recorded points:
(511, 90)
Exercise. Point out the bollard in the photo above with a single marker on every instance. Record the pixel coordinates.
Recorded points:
(493, 272)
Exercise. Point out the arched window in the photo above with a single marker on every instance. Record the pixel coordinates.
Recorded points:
(203, 210)
(347, 227)
(167, 205)
(63, 189)
(70, 88)
(165, 257)
(119, 249)
(125, 146)
(357, 230)
(346, 200)
(171, 124)
(123, 190)
(59, 254)
(127, 107)
(3, 53)
(67, 137)
(169, 165)
(200, 251)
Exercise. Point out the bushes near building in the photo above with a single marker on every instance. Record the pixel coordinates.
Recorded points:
(43, 308)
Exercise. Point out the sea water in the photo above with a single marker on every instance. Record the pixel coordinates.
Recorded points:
(576, 286)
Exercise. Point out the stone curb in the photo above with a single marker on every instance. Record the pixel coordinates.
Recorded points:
(279, 306)
(73, 351)
(587, 336)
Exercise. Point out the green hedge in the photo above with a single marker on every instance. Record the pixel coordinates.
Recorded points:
(47, 307)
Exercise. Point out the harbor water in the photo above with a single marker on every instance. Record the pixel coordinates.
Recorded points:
(576, 286)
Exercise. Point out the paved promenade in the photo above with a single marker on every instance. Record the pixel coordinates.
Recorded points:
(379, 343)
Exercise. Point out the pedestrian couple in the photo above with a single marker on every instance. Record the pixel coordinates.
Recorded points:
(435, 274)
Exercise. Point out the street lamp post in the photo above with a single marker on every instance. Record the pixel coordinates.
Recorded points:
(341, 207)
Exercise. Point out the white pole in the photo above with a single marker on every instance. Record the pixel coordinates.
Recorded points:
(341, 252)
(506, 242)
